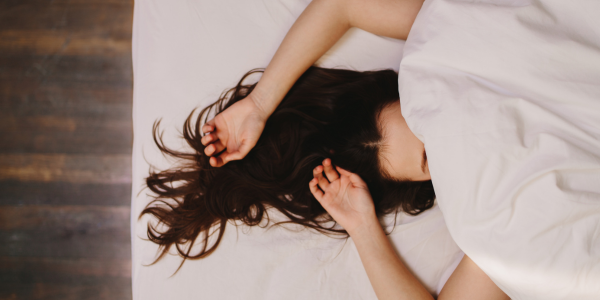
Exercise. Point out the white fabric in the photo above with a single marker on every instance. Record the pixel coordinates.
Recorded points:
(185, 54)
(506, 97)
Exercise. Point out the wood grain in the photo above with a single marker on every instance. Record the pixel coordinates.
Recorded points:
(68, 70)
(54, 134)
(92, 17)
(15, 267)
(20, 193)
(49, 42)
(77, 168)
(65, 149)
(67, 289)
(65, 231)
(81, 99)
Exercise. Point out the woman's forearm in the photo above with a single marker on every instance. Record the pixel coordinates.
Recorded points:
(317, 29)
(346, 198)
(392, 280)
(388, 275)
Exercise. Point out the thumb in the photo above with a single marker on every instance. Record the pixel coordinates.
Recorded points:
(343, 171)
(241, 152)
(357, 181)
(238, 154)
(354, 179)
(229, 156)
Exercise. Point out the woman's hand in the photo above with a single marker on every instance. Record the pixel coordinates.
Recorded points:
(234, 132)
(237, 129)
(344, 195)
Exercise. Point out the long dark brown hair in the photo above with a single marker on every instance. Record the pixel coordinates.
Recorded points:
(327, 113)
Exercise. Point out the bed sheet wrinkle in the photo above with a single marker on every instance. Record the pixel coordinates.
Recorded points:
(204, 28)
(283, 11)
(546, 131)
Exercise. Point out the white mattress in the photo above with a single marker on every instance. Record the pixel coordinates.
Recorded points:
(185, 53)
(506, 97)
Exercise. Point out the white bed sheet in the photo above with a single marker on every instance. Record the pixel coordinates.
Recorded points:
(506, 97)
(185, 53)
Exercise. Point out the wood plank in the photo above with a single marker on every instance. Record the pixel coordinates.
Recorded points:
(68, 69)
(92, 17)
(92, 218)
(64, 193)
(50, 42)
(9, 122)
(65, 231)
(83, 99)
(47, 124)
(51, 134)
(75, 168)
(90, 142)
(49, 268)
(11, 3)
(74, 289)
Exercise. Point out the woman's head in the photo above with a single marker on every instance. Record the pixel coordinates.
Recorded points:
(401, 154)
(339, 114)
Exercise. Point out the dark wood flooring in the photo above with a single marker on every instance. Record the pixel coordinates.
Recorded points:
(65, 149)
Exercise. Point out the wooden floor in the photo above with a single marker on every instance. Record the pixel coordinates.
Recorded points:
(65, 149)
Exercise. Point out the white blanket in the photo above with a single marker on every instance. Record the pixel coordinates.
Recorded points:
(506, 97)
(185, 54)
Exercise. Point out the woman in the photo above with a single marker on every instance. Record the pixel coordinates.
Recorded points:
(235, 131)
(328, 113)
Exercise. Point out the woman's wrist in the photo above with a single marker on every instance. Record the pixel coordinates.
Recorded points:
(366, 228)
(264, 103)
(269, 93)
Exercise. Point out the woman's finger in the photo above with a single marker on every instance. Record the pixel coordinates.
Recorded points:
(318, 173)
(343, 172)
(214, 148)
(317, 170)
(330, 172)
(216, 161)
(211, 137)
(354, 179)
(314, 189)
(209, 126)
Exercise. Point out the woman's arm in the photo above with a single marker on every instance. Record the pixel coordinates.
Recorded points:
(388, 275)
(236, 130)
(392, 280)
(319, 27)
(469, 282)
(346, 197)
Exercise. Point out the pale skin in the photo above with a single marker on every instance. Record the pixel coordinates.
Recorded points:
(402, 153)
(346, 198)
(233, 133)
